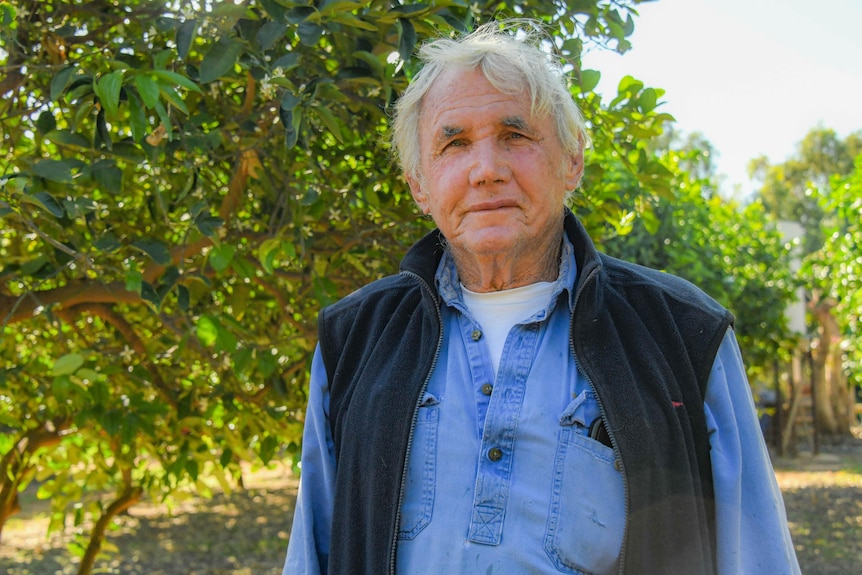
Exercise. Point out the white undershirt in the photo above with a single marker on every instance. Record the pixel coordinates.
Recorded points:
(497, 312)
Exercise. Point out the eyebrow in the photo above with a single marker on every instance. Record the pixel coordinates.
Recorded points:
(516, 122)
(447, 132)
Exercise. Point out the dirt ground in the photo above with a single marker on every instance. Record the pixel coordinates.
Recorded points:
(246, 533)
(823, 497)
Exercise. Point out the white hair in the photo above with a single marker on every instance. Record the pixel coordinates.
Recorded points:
(511, 57)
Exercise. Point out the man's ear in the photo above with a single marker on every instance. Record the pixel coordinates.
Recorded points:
(418, 193)
(575, 170)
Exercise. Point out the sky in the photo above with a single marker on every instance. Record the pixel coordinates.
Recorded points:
(752, 76)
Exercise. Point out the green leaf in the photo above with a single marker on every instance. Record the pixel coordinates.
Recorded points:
(148, 89)
(186, 33)
(208, 224)
(269, 33)
(108, 176)
(267, 252)
(48, 202)
(275, 10)
(299, 14)
(220, 60)
(183, 297)
(329, 7)
(287, 62)
(589, 80)
(174, 98)
(67, 138)
(309, 33)
(289, 101)
(207, 330)
(151, 294)
(112, 421)
(226, 457)
(647, 101)
(266, 364)
(373, 62)
(103, 135)
(108, 90)
(226, 341)
(408, 11)
(221, 256)
(108, 242)
(60, 388)
(59, 171)
(166, 77)
(137, 118)
(165, 118)
(407, 40)
(67, 364)
(134, 281)
(157, 250)
(7, 15)
(46, 123)
(330, 121)
(60, 82)
(349, 19)
(267, 448)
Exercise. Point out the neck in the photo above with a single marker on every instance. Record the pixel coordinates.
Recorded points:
(486, 273)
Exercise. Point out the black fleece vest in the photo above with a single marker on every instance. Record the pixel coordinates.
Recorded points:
(645, 340)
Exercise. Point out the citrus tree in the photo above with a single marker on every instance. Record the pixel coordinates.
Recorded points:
(733, 251)
(833, 275)
(818, 188)
(184, 184)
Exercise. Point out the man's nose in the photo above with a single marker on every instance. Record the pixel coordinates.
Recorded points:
(489, 164)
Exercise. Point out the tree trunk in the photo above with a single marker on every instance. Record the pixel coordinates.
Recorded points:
(126, 499)
(834, 404)
(15, 464)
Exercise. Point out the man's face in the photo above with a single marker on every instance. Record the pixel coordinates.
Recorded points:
(493, 178)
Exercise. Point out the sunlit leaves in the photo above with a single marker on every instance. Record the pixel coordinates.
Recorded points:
(186, 33)
(68, 364)
(108, 91)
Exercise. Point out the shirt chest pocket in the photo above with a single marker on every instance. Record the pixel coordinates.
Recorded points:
(418, 502)
(586, 516)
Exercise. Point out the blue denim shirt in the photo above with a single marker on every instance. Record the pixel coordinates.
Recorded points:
(503, 476)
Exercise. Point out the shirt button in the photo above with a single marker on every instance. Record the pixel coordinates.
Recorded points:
(495, 454)
(487, 389)
(617, 465)
(476, 335)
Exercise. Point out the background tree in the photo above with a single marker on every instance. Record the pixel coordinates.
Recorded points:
(732, 251)
(818, 188)
(834, 274)
(785, 188)
(183, 186)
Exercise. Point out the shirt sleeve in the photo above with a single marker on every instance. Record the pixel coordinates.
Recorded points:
(751, 522)
(308, 549)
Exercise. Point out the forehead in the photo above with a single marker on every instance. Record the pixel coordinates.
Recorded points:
(461, 96)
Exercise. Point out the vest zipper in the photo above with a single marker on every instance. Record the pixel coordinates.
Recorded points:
(616, 449)
(424, 387)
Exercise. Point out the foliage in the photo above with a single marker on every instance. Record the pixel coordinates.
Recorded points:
(731, 251)
(787, 188)
(183, 186)
(819, 189)
(835, 271)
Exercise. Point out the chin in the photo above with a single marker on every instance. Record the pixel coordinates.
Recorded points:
(491, 242)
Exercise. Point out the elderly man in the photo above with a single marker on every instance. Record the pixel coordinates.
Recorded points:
(514, 401)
